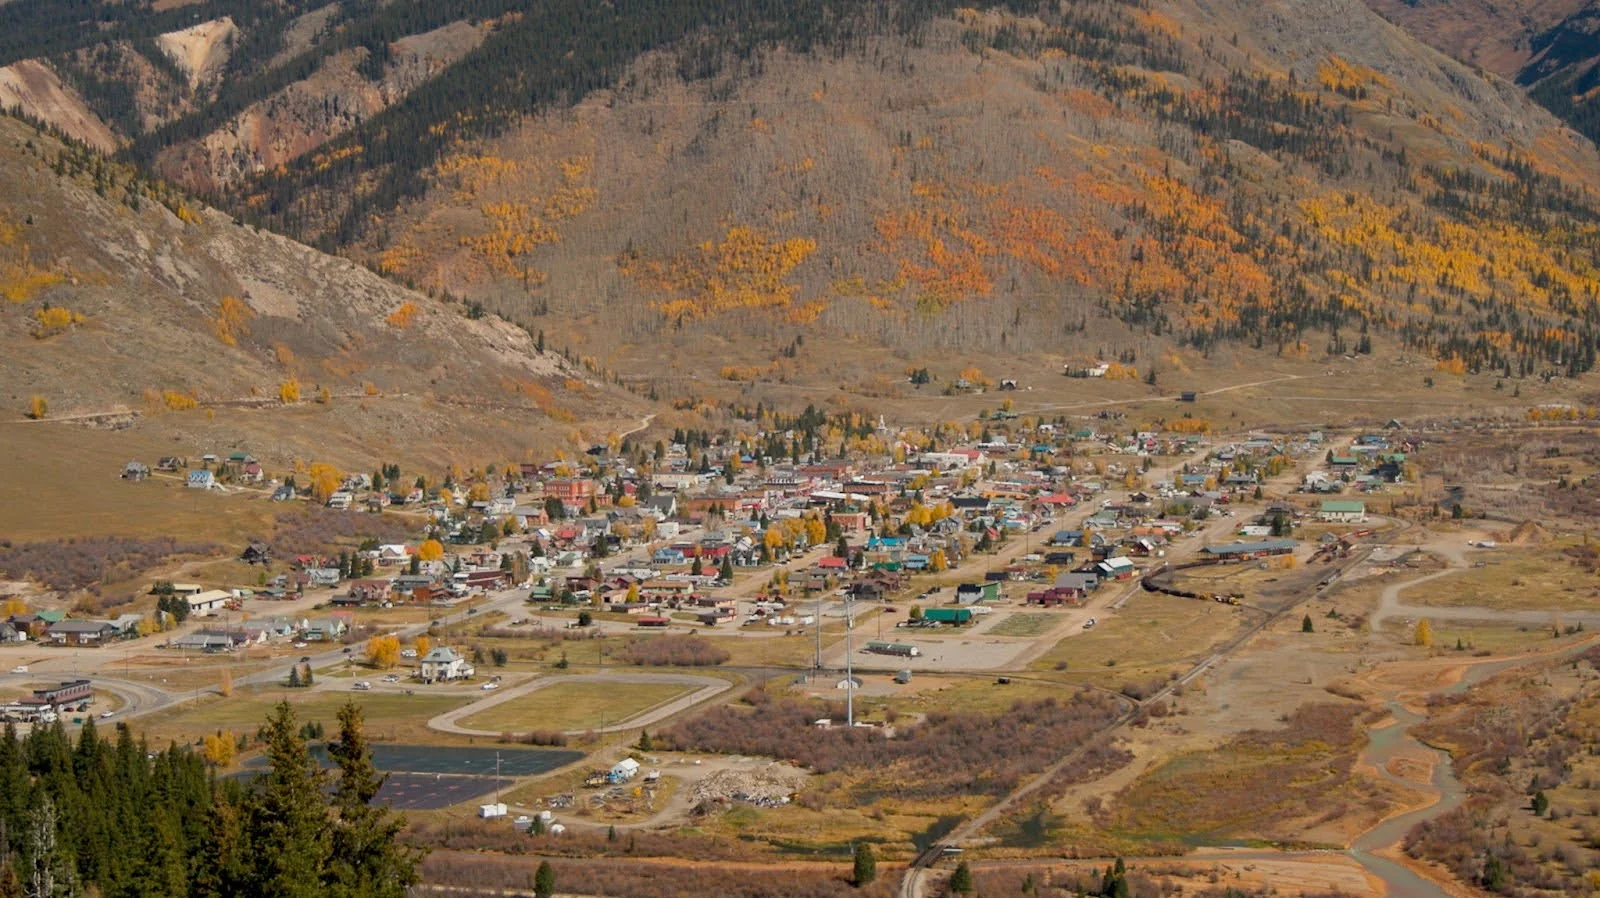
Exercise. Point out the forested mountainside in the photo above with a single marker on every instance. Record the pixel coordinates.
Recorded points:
(1550, 47)
(734, 176)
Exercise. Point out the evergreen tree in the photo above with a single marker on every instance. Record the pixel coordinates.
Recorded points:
(866, 865)
(294, 677)
(544, 880)
(961, 880)
(223, 873)
(286, 825)
(1305, 624)
(366, 860)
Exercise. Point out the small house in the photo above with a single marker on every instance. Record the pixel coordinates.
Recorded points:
(201, 480)
(624, 770)
(135, 470)
(204, 604)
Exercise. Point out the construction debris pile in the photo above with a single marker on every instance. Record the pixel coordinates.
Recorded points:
(768, 785)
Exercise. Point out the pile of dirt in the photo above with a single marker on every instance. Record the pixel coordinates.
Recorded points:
(1527, 533)
(768, 785)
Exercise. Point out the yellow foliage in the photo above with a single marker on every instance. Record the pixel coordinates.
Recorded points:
(37, 407)
(1453, 365)
(186, 214)
(402, 317)
(325, 480)
(430, 550)
(1189, 425)
(177, 401)
(1423, 635)
(383, 652)
(423, 645)
(225, 684)
(54, 320)
(233, 320)
(218, 749)
(289, 391)
(747, 269)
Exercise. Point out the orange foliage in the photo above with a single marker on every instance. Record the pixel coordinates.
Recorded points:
(401, 318)
(233, 320)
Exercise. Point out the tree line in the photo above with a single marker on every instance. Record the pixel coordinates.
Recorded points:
(111, 817)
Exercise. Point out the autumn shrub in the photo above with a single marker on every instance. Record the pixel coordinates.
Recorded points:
(49, 322)
(676, 651)
(232, 321)
(76, 562)
(315, 530)
(402, 317)
(950, 753)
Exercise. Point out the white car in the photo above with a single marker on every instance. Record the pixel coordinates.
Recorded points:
(488, 686)
(299, 645)
(391, 678)
(408, 653)
(20, 669)
(362, 686)
(1088, 623)
(106, 715)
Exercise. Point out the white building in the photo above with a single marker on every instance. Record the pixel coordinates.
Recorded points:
(624, 770)
(444, 664)
(205, 604)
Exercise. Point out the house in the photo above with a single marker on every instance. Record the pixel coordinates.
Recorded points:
(283, 493)
(340, 500)
(201, 480)
(323, 629)
(135, 470)
(624, 770)
(81, 632)
(170, 464)
(256, 553)
(970, 593)
(204, 604)
(10, 633)
(1343, 512)
(370, 590)
(443, 664)
(1119, 568)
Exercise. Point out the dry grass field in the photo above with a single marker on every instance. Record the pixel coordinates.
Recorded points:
(575, 706)
(1152, 633)
(390, 716)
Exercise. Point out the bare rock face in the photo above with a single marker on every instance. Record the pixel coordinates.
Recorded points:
(32, 87)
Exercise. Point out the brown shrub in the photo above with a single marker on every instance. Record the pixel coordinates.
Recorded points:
(77, 562)
(676, 651)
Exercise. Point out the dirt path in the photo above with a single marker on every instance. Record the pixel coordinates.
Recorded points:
(709, 687)
(1389, 605)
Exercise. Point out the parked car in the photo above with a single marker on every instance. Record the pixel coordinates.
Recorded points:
(391, 678)
(299, 645)
(408, 653)
(362, 686)
(488, 686)
(348, 650)
(305, 659)
(1088, 623)
(20, 669)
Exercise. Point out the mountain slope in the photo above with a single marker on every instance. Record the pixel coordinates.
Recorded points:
(119, 296)
(1551, 47)
(785, 190)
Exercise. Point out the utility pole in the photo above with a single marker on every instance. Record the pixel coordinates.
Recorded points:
(816, 667)
(849, 663)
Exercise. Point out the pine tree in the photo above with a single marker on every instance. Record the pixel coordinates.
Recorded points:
(286, 823)
(309, 679)
(1306, 625)
(222, 875)
(367, 861)
(294, 677)
(544, 880)
(866, 865)
(961, 880)
(644, 741)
